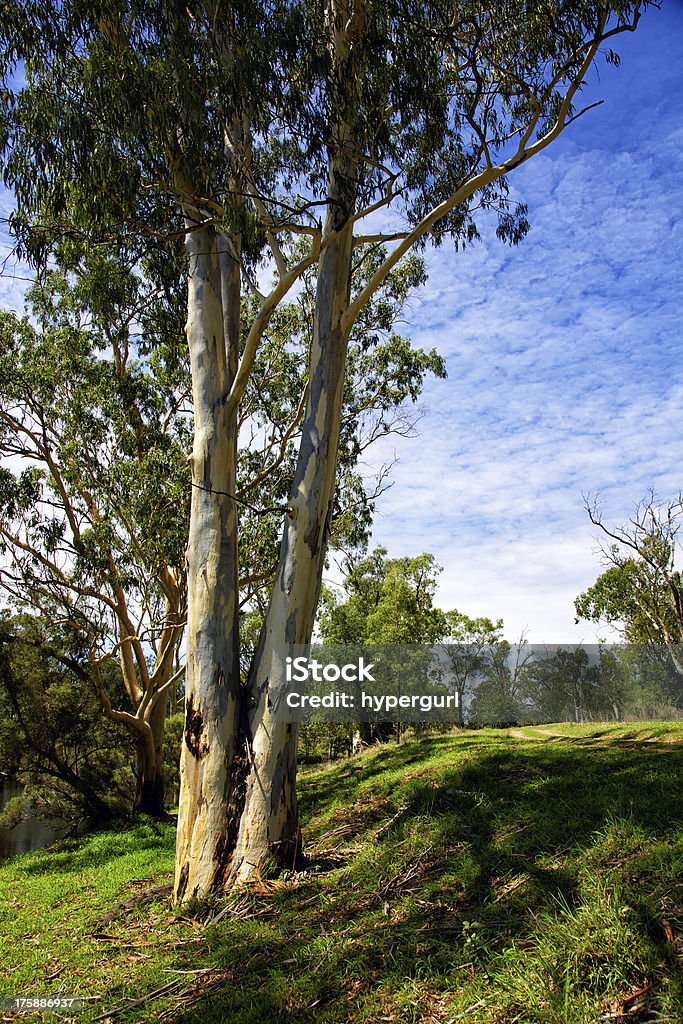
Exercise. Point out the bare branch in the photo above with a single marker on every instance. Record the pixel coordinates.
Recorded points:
(494, 172)
(268, 307)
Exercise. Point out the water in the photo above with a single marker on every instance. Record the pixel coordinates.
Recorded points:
(27, 835)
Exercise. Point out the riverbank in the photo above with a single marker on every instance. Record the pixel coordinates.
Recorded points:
(480, 877)
(31, 834)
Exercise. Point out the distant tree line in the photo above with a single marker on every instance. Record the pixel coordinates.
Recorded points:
(387, 601)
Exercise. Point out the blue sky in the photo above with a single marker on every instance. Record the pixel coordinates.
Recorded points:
(564, 358)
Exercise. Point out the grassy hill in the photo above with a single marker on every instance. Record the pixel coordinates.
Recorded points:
(492, 877)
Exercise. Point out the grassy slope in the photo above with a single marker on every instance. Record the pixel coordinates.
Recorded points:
(486, 877)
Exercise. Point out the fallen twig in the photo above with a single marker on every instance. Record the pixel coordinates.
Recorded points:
(165, 990)
(141, 898)
(400, 813)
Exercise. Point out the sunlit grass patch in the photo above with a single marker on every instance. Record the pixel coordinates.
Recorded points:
(475, 876)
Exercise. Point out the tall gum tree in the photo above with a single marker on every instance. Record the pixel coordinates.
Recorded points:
(242, 127)
(102, 405)
(641, 589)
(92, 517)
(268, 825)
(500, 96)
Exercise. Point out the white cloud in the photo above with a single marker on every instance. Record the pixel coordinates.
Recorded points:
(564, 359)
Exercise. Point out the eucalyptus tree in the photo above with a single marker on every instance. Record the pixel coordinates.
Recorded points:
(640, 593)
(563, 686)
(388, 601)
(427, 122)
(641, 590)
(470, 649)
(240, 126)
(93, 491)
(94, 411)
(500, 693)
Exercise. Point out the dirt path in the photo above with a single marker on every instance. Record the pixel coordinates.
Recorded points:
(520, 734)
(587, 739)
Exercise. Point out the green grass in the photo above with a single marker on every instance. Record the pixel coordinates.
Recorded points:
(667, 732)
(478, 877)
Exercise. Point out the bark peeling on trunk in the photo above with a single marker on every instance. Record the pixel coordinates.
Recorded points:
(212, 749)
(269, 828)
(238, 807)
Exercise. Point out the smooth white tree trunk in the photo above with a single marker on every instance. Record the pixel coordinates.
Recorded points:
(212, 756)
(269, 826)
(238, 808)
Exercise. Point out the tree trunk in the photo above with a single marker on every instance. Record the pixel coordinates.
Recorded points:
(362, 736)
(212, 757)
(269, 827)
(460, 690)
(150, 794)
(238, 805)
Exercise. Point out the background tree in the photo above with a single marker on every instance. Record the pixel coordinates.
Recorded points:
(225, 126)
(563, 686)
(93, 520)
(53, 737)
(501, 695)
(632, 685)
(637, 686)
(390, 601)
(468, 649)
(641, 589)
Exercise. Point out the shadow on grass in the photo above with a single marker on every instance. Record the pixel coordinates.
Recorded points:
(78, 854)
(493, 835)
